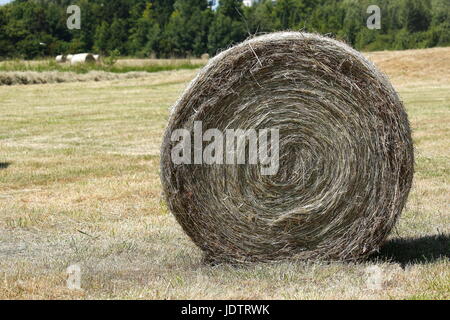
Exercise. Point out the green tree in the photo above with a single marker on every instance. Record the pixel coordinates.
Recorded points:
(287, 14)
(228, 27)
(6, 48)
(118, 36)
(416, 15)
(258, 18)
(102, 36)
(187, 29)
(145, 34)
(231, 8)
(224, 32)
(163, 11)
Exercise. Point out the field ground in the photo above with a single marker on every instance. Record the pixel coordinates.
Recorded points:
(79, 183)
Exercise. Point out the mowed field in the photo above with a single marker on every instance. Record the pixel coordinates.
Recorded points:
(79, 184)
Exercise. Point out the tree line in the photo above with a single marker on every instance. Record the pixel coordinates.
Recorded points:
(179, 28)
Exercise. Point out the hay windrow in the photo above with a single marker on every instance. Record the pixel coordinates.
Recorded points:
(33, 77)
(346, 153)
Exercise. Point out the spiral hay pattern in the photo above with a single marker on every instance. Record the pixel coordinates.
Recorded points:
(346, 153)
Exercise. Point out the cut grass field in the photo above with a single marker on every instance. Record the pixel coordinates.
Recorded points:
(79, 184)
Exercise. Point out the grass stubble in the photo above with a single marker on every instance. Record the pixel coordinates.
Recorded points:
(79, 183)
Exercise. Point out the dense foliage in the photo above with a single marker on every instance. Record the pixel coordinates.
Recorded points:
(174, 28)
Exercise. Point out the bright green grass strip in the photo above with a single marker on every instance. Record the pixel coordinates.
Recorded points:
(85, 68)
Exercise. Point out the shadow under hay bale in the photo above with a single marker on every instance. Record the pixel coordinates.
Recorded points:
(419, 250)
(4, 165)
(346, 157)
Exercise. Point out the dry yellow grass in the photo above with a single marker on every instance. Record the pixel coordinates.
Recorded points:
(414, 67)
(79, 184)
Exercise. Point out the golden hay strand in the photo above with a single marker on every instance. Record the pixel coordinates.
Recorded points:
(346, 153)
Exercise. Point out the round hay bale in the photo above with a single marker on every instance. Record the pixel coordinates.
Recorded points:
(69, 57)
(346, 157)
(82, 58)
(61, 59)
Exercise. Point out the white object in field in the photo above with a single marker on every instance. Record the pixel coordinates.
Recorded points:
(97, 57)
(375, 277)
(61, 58)
(69, 57)
(82, 58)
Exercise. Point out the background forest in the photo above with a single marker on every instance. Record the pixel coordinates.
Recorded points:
(180, 28)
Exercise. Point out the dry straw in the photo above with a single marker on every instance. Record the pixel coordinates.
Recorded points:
(346, 154)
(33, 77)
